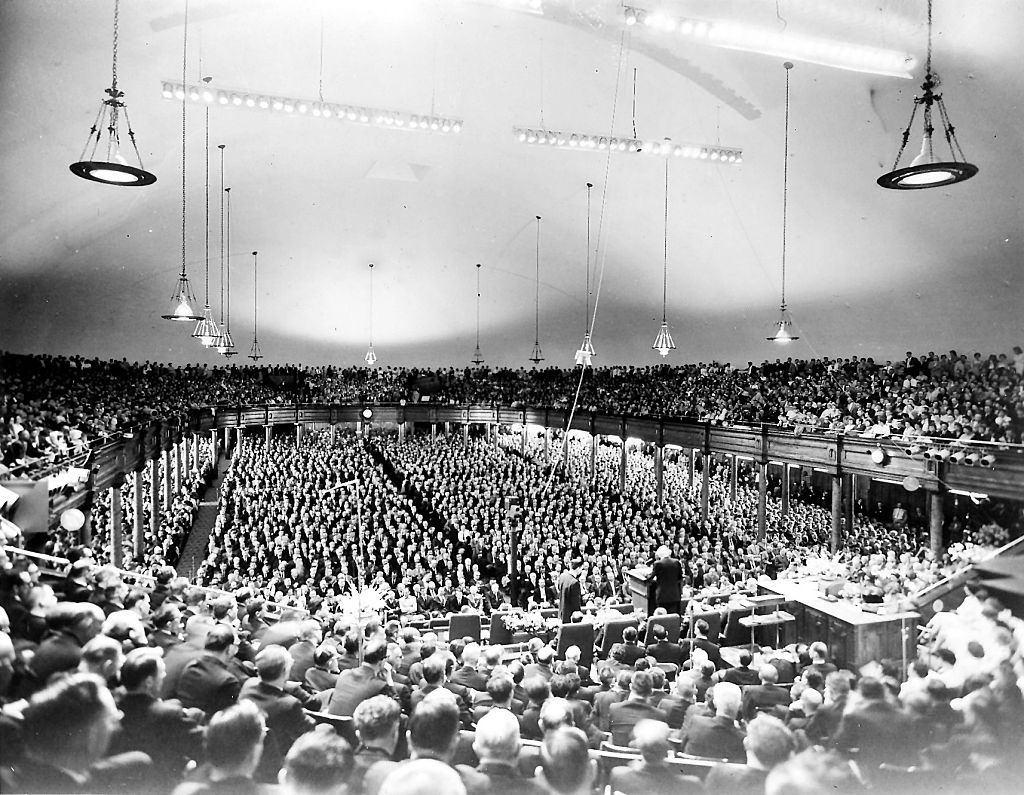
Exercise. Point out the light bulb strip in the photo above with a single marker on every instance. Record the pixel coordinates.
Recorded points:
(333, 111)
(732, 35)
(585, 142)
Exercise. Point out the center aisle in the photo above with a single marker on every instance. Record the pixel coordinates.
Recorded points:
(206, 517)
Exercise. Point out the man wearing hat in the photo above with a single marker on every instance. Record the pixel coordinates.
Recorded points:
(570, 595)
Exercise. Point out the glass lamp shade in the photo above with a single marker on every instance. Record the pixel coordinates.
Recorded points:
(207, 331)
(664, 343)
(783, 334)
(925, 171)
(182, 303)
(585, 353)
(225, 344)
(370, 358)
(255, 352)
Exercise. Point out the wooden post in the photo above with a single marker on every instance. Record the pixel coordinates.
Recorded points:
(168, 494)
(785, 488)
(837, 510)
(300, 430)
(433, 431)
(734, 477)
(197, 460)
(935, 518)
(215, 439)
(186, 447)
(659, 473)
(623, 467)
(691, 466)
(268, 432)
(705, 487)
(594, 440)
(139, 529)
(116, 530)
(179, 475)
(851, 499)
(154, 504)
(465, 433)
(762, 497)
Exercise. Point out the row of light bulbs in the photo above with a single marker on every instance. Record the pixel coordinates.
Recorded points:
(961, 456)
(604, 143)
(323, 110)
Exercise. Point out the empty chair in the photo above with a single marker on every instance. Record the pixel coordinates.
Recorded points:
(581, 635)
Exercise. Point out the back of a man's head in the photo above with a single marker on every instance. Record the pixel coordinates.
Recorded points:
(629, 635)
(545, 655)
(812, 772)
(219, 638)
(768, 674)
(565, 762)
(376, 718)
(471, 654)
(273, 662)
(233, 735)
(810, 700)
(686, 688)
(433, 669)
(642, 684)
(318, 763)
(871, 689)
(818, 651)
(62, 718)
(500, 689)
(497, 737)
(745, 659)
(537, 689)
(650, 737)
(727, 699)
(493, 655)
(555, 713)
(423, 777)
(702, 627)
(374, 651)
(769, 740)
(434, 726)
(139, 665)
(837, 684)
(659, 633)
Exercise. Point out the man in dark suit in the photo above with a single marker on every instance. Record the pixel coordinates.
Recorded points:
(70, 625)
(169, 734)
(629, 651)
(768, 743)
(626, 714)
(529, 722)
(167, 628)
(823, 725)
(324, 673)
(613, 695)
(311, 635)
(767, 696)
(663, 651)
(358, 684)
(208, 682)
(282, 709)
(498, 696)
(744, 674)
(570, 593)
(676, 703)
(651, 775)
(497, 746)
(377, 725)
(701, 641)
(542, 668)
(718, 737)
(467, 674)
(668, 580)
(433, 679)
(879, 729)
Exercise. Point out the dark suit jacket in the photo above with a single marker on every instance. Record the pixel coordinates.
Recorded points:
(738, 779)
(675, 708)
(284, 713)
(881, 731)
(354, 687)
(59, 651)
(714, 652)
(536, 669)
(160, 729)
(465, 714)
(668, 580)
(507, 780)
(469, 677)
(302, 660)
(631, 653)
(175, 659)
(319, 680)
(741, 676)
(602, 707)
(762, 698)
(570, 596)
(716, 737)
(824, 723)
(666, 652)
(640, 778)
(626, 714)
(207, 683)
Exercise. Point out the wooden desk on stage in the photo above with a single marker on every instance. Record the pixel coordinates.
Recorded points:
(854, 636)
(640, 588)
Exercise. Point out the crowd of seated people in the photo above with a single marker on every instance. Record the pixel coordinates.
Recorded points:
(107, 688)
(53, 407)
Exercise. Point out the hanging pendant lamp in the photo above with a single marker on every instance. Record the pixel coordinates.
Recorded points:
(585, 353)
(254, 352)
(925, 170)
(537, 356)
(664, 343)
(183, 302)
(114, 170)
(226, 344)
(207, 331)
(371, 358)
(478, 358)
(783, 335)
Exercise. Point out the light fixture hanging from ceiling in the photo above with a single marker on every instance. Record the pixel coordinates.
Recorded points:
(371, 358)
(115, 170)
(925, 171)
(478, 357)
(783, 335)
(226, 344)
(664, 343)
(254, 352)
(206, 330)
(586, 351)
(537, 356)
(183, 302)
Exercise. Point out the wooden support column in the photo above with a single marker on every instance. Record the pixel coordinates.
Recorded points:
(447, 428)
(623, 467)
(154, 505)
(935, 519)
(837, 510)
(762, 499)
(595, 439)
(300, 431)
(433, 431)
(564, 442)
(179, 474)
(139, 528)
(116, 529)
(849, 508)
(465, 433)
(214, 439)
(168, 495)
(705, 487)
(690, 465)
(785, 488)
(547, 443)
(197, 459)
(659, 473)
(401, 432)
(268, 432)
(186, 446)
(734, 476)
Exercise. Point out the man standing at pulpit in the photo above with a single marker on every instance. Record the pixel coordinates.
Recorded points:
(570, 594)
(668, 580)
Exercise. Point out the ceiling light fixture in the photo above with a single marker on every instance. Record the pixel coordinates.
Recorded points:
(371, 358)
(478, 357)
(115, 169)
(183, 302)
(732, 35)
(586, 350)
(254, 352)
(783, 335)
(585, 142)
(206, 330)
(314, 108)
(226, 344)
(537, 356)
(925, 171)
(664, 343)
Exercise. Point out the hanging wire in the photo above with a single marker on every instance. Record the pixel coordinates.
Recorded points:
(206, 167)
(222, 189)
(664, 277)
(634, 103)
(478, 307)
(785, 185)
(184, 103)
(371, 304)
(536, 308)
(590, 186)
(321, 79)
(228, 301)
(255, 296)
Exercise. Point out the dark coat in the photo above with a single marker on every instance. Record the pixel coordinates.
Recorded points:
(675, 708)
(207, 683)
(570, 596)
(353, 688)
(880, 731)
(507, 780)
(161, 729)
(470, 677)
(666, 652)
(59, 651)
(668, 580)
(762, 698)
(643, 779)
(718, 738)
(284, 713)
(738, 779)
(626, 714)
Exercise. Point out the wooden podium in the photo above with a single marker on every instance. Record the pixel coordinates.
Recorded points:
(640, 586)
